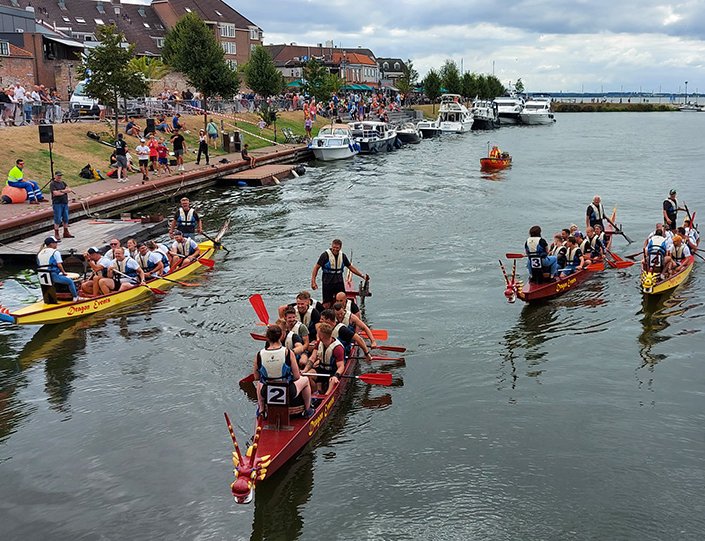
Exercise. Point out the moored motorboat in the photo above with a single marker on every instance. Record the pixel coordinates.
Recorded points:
(409, 134)
(429, 128)
(373, 136)
(453, 116)
(485, 115)
(509, 108)
(537, 111)
(653, 284)
(334, 142)
(40, 313)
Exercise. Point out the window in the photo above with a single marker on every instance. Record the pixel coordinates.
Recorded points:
(396, 66)
(218, 13)
(227, 30)
(66, 19)
(253, 46)
(142, 12)
(80, 20)
(4, 48)
(100, 8)
(254, 33)
(229, 47)
(159, 42)
(188, 9)
(98, 21)
(146, 25)
(385, 66)
(232, 64)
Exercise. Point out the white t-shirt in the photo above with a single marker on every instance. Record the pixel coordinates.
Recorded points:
(142, 152)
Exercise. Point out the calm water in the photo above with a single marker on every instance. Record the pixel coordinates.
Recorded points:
(580, 419)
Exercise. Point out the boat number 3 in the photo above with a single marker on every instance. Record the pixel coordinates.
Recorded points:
(276, 395)
(535, 262)
(45, 278)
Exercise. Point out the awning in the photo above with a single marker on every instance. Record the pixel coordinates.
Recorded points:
(65, 41)
(296, 83)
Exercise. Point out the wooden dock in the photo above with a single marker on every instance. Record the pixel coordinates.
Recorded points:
(263, 175)
(87, 233)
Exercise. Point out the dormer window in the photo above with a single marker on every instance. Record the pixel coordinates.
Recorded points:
(188, 9)
(385, 66)
(99, 21)
(100, 8)
(396, 66)
(80, 20)
(142, 12)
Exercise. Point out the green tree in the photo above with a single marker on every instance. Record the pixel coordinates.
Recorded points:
(151, 68)
(261, 75)
(470, 85)
(494, 87)
(316, 80)
(191, 48)
(108, 72)
(450, 77)
(409, 78)
(432, 87)
(519, 86)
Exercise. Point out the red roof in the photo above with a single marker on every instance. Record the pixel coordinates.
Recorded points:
(17, 51)
(353, 58)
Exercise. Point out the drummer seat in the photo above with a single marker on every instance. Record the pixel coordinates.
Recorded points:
(281, 406)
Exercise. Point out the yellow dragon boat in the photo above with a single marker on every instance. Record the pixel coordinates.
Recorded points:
(41, 313)
(651, 284)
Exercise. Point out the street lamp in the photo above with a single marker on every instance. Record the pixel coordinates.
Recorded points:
(686, 93)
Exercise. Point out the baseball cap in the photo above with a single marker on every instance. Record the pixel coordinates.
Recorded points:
(93, 250)
(58, 174)
(142, 140)
(672, 192)
(49, 240)
(178, 232)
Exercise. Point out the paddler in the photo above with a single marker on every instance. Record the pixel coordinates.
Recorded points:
(99, 265)
(574, 257)
(678, 255)
(151, 262)
(123, 273)
(276, 364)
(328, 357)
(539, 261)
(594, 245)
(656, 250)
(595, 214)
(558, 249)
(296, 336)
(49, 260)
(350, 304)
(605, 237)
(333, 262)
(343, 333)
(306, 312)
(691, 235)
(670, 210)
(352, 322)
(183, 251)
(495, 153)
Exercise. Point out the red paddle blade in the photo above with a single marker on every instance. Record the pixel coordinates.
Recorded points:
(156, 290)
(376, 379)
(513, 256)
(379, 334)
(247, 379)
(210, 263)
(384, 358)
(595, 267)
(623, 264)
(258, 336)
(398, 349)
(260, 309)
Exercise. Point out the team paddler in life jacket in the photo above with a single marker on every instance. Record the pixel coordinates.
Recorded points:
(656, 250)
(99, 264)
(306, 312)
(186, 220)
(151, 262)
(592, 247)
(678, 255)
(123, 273)
(296, 336)
(690, 235)
(574, 257)
(277, 364)
(343, 333)
(333, 262)
(184, 251)
(538, 260)
(327, 358)
(352, 322)
(49, 260)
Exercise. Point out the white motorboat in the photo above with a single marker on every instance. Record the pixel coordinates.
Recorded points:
(373, 137)
(690, 107)
(409, 134)
(428, 128)
(453, 116)
(485, 115)
(334, 142)
(537, 111)
(509, 108)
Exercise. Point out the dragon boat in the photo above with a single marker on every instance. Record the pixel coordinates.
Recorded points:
(43, 312)
(652, 283)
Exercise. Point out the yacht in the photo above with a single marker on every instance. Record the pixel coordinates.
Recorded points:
(408, 133)
(429, 128)
(537, 111)
(334, 142)
(509, 108)
(453, 116)
(485, 115)
(373, 137)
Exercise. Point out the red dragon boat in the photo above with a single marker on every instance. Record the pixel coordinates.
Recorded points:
(284, 432)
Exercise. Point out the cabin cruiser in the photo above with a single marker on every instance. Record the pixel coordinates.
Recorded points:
(408, 133)
(429, 128)
(485, 115)
(373, 136)
(334, 142)
(537, 111)
(453, 116)
(509, 108)
(690, 107)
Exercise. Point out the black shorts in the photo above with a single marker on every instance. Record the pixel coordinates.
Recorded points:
(325, 381)
(144, 163)
(331, 289)
(293, 392)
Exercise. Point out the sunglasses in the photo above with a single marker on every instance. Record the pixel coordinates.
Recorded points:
(114, 244)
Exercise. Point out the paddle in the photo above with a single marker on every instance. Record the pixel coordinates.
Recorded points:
(398, 349)
(380, 334)
(154, 290)
(514, 256)
(210, 263)
(619, 263)
(260, 309)
(250, 378)
(594, 267)
(640, 253)
(185, 284)
(372, 379)
(697, 254)
(216, 244)
(618, 230)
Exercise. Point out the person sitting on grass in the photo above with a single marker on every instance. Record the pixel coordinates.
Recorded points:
(131, 128)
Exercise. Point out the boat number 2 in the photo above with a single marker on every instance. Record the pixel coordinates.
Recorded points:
(535, 262)
(45, 278)
(276, 395)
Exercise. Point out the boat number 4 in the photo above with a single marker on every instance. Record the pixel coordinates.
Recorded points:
(276, 395)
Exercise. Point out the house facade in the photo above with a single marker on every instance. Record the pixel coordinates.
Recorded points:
(391, 70)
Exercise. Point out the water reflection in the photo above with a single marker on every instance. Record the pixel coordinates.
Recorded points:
(657, 311)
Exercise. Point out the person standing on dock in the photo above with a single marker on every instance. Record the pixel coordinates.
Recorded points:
(15, 178)
(670, 211)
(178, 143)
(202, 147)
(121, 158)
(595, 214)
(60, 203)
(333, 262)
(186, 220)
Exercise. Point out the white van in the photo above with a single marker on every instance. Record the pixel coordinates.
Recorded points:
(80, 100)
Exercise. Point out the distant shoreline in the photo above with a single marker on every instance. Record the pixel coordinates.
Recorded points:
(608, 107)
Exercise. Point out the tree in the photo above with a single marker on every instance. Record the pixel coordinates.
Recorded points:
(108, 72)
(261, 75)
(316, 80)
(519, 86)
(470, 85)
(450, 77)
(152, 69)
(191, 48)
(432, 87)
(409, 78)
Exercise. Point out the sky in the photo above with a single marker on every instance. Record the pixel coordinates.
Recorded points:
(557, 46)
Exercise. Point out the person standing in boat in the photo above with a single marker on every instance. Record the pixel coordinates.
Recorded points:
(333, 262)
(539, 261)
(595, 214)
(186, 220)
(495, 153)
(49, 260)
(670, 211)
(276, 364)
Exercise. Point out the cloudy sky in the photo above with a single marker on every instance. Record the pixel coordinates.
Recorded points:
(575, 46)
